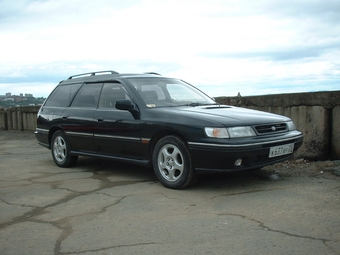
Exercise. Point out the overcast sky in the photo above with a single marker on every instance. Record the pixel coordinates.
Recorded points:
(221, 46)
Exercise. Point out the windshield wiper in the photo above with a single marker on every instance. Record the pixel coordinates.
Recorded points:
(195, 104)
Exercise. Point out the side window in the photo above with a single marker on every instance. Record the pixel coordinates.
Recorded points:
(62, 95)
(88, 95)
(111, 93)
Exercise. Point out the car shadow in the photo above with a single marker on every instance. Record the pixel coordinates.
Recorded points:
(234, 179)
(118, 171)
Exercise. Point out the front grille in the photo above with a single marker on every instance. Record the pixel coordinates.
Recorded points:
(271, 129)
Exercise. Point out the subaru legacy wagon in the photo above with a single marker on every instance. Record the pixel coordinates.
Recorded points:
(160, 122)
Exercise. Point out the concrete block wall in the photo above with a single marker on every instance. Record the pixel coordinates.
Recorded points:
(3, 119)
(19, 118)
(335, 133)
(313, 121)
(14, 119)
(29, 117)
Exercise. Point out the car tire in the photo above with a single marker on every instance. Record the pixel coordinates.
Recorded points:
(172, 163)
(61, 150)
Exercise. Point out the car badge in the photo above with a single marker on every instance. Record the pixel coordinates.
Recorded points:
(273, 128)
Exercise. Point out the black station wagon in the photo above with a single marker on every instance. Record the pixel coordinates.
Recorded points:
(166, 123)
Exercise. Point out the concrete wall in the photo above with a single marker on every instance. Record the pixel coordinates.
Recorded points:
(335, 133)
(3, 119)
(19, 118)
(316, 114)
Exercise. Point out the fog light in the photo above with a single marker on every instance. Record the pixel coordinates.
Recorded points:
(238, 162)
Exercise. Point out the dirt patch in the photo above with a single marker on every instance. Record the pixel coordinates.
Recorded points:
(305, 168)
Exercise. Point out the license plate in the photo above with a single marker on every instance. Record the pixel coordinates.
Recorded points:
(277, 151)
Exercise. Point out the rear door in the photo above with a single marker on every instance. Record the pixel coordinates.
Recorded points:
(78, 118)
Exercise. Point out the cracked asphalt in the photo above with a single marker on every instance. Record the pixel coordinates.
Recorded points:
(105, 207)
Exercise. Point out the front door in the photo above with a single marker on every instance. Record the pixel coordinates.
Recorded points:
(117, 132)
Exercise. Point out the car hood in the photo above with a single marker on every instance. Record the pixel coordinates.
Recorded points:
(224, 114)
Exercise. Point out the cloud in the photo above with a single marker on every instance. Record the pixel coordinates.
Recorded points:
(280, 54)
(245, 46)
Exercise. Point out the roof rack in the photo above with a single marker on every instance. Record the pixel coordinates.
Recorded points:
(152, 73)
(91, 74)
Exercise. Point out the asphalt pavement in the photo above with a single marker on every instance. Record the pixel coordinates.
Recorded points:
(105, 207)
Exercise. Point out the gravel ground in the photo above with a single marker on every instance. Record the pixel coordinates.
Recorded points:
(16, 135)
(291, 168)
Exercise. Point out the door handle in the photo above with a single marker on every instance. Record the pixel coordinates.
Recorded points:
(100, 119)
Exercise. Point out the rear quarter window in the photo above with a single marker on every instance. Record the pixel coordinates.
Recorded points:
(62, 95)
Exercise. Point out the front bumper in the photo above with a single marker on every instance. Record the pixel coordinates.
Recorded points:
(209, 157)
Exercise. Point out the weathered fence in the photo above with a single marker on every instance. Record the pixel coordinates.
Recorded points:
(316, 114)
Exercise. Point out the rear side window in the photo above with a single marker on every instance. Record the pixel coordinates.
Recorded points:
(88, 95)
(62, 95)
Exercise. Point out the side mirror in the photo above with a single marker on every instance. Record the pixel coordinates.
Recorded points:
(127, 105)
(124, 105)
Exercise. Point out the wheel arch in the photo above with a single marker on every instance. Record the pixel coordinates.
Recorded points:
(159, 135)
(51, 133)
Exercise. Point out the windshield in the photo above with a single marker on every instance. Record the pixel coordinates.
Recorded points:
(162, 92)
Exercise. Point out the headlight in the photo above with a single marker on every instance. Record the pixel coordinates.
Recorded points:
(240, 132)
(291, 126)
(232, 132)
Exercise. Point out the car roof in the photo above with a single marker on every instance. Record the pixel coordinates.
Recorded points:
(104, 76)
